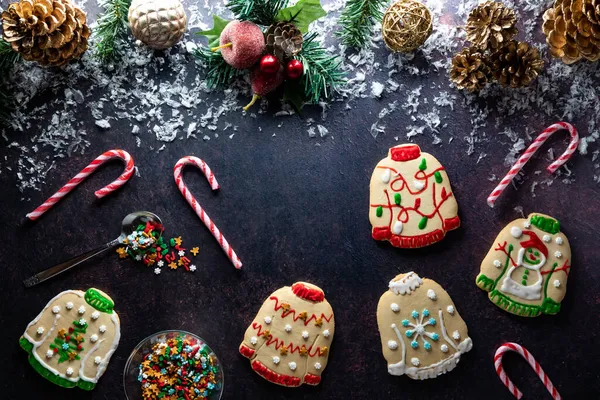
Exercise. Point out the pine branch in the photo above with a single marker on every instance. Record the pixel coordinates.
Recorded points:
(322, 72)
(357, 21)
(261, 12)
(8, 58)
(218, 72)
(112, 29)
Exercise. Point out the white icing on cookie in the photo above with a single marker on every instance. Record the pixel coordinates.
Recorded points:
(407, 284)
(419, 185)
(547, 238)
(557, 254)
(305, 335)
(55, 309)
(556, 283)
(395, 307)
(516, 232)
(431, 294)
(49, 354)
(102, 328)
(317, 366)
(268, 320)
(326, 333)
(292, 366)
(288, 328)
(397, 227)
(497, 263)
(94, 338)
(95, 315)
(97, 360)
(253, 340)
(69, 371)
(559, 240)
(415, 361)
(456, 335)
(450, 309)
(386, 176)
(276, 360)
(444, 348)
(392, 344)
(69, 305)
(40, 330)
(81, 310)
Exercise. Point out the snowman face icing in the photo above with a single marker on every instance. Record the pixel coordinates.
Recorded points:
(531, 259)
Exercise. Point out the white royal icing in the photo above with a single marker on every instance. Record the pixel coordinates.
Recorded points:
(305, 335)
(97, 360)
(557, 254)
(288, 328)
(49, 354)
(69, 305)
(516, 232)
(559, 240)
(456, 335)
(407, 284)
(317, 366)
(395, 307)
(450, 309)
(497, 263)
(81, 310)
(94, 338)
(268, 320)
(547, 238)
(326, 333)
(253, 340)
(40, 330)
(276, 360)
(556, 283)
(55, 309)
(95, 315)
(292, 366)
(69, 371)
(102, 328)
(386, 176)
(431, 294)
(392, 344)
(444, 348)
(419, 185)
(415, 361)
(397, 227)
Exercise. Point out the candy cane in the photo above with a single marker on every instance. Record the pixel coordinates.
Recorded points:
(214, 185)
(87, 171)
(534, 364)
(531, 150)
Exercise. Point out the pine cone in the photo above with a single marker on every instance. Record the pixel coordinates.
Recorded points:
(491, 25)
(49, 32)
(470, 70)
(284, 40)
(572, 29)
(517, 64)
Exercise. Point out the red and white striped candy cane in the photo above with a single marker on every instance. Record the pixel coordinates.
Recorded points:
(190, 160)
(87, 171)
(531, 150)
(534, 364)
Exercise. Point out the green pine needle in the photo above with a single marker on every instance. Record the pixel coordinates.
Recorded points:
(218, 73)
(112, 29)
(357, 21)
(261, 12)
(8, 58)
(322, 72)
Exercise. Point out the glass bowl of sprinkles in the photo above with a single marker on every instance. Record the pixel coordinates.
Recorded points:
(172, 365)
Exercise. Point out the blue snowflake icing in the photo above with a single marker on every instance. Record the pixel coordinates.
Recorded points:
(418, 329)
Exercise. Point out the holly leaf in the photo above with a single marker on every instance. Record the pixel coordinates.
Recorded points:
(293, 94)
(302, 14)
(213, 35)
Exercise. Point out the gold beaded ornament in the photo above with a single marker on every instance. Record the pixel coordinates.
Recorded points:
(406, 25)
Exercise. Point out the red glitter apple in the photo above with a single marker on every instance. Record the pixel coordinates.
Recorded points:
(242, 43)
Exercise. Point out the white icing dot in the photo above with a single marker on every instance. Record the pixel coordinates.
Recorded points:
(395, 307)
(292, 366)
(397, 227)
(450, 310)
(267, 320)
(288, 328)
(559, 240)
(102, 328)
(40, 330)
(276, 360)
(253, 340)
(556, 283)
(81, 310)
(558, 254)
(97, 360)
(392, 344)
(415, 361)
(497, 263)
(547, 238)
(456, 335)
(527, 225)
(49, 354)
(516, 232)
(305, 335)
(94, 338)
(69, 371)
(418, 184)
(69, 305)
(326, 333)
(56, 309)
(317, 366)
(431, 294)
(82, 321)
(95, 315)
(444, 348)
(386, 176)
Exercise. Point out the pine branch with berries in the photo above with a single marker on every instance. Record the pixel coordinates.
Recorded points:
(358, 19)
(219, 74)
(8, 58)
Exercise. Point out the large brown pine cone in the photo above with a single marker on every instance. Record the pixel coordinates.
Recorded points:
(49, 32)
(572, 29)
(517, 64)
(491, 25)
(470, 70)
(284, 40)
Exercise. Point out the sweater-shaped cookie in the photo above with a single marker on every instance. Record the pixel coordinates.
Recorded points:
(412, 204)
(422, 334)
(289, 340)
(71, 341)
(526, 270)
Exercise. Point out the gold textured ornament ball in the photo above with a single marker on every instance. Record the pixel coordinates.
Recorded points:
(406, 25)
(159, 24)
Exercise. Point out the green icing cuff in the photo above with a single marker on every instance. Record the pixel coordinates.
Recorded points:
(99, 302)
(548, 225)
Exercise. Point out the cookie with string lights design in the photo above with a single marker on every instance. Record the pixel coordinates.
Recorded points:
(288, 341)
(412, 203)
(526, 270)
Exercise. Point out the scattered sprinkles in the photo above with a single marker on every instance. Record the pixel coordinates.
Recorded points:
(157, 270)
(181, 369)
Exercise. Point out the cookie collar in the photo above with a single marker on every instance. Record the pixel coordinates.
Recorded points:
(308, 292)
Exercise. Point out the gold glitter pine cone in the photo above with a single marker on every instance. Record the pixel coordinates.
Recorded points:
(406, 25)
(517, 64)
(284, 40)
(470, 70)
(491, 25)
(572, 29)
(49, 32)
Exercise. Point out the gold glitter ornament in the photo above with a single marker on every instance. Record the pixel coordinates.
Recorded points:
(406, 25)
(159, 24)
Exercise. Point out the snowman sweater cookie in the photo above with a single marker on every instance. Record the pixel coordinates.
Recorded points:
(71, 341)
(412, 204)
(526, 270)
(422, 334)
(289, 340)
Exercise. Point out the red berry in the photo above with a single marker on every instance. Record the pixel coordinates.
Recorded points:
(294, 69)
(71, 330)
(55, 350)
(67, 338)
(79, 347)
(269, 64)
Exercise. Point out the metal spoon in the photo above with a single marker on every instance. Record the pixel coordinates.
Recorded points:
(129, 224)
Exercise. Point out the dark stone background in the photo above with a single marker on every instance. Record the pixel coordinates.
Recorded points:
(296, 208)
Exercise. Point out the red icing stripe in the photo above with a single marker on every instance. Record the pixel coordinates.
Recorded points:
(280, 343)
(274, 377)
(307, 293)
(292, 312)
(405, 153)
(311, 379)
(408, 242)
(451, 223)
(246, 351)
(380, 233)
